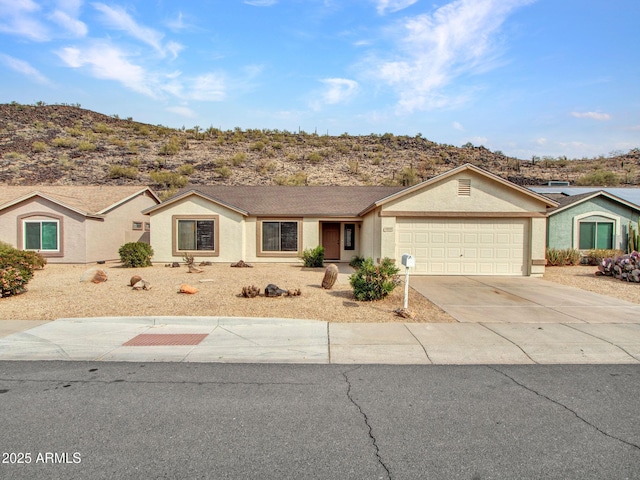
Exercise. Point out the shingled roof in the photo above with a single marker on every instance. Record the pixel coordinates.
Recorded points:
(87, 200)
(278, 200)
(566, 202)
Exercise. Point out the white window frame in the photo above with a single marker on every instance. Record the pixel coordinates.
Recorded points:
(25, 221)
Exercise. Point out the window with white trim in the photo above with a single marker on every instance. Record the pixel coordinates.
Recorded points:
(279, 236)
(41, 235)
(598, 234)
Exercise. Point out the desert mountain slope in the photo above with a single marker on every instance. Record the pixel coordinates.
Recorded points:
(63, 144)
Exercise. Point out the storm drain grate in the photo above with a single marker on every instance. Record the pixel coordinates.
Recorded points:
(161, 339)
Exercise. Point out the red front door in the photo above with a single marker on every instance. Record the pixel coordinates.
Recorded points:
(331, 240)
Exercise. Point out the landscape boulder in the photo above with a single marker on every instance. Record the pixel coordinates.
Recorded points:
(330, 276)
(185, 288)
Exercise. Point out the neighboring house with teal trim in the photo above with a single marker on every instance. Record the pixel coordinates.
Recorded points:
(590, 220)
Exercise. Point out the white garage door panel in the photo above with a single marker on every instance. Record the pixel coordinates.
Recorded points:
(465, 246)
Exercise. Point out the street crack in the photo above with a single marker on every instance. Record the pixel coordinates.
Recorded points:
(366, 421)
(573, 412)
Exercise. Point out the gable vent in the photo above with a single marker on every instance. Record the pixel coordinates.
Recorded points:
(464, 187)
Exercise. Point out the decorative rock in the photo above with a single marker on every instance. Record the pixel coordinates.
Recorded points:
(184, 288)
(205, 264)
(242, 264)
(404, 313)
(330, 276)
(175, 265)
(272, 290)
(135, 279)
(142, 285)
(99, 277)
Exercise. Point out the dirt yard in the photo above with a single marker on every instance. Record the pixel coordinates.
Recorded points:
(57, 292)
(584, 277)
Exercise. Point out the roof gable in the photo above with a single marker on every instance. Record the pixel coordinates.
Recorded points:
(573, 200)
(451, 173)
(276, 200)
(90, 201)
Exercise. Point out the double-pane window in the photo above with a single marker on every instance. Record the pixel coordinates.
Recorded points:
(194, 235)
(41, 235)
(596, 235)
(279, 236)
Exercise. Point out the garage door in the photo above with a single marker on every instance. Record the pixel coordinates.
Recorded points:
(452, 246)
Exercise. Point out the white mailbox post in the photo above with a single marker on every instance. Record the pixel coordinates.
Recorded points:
(408, 261)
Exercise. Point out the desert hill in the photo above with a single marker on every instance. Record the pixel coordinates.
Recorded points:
(65, 144)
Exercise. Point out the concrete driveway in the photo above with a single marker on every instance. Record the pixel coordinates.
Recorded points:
(521, 300)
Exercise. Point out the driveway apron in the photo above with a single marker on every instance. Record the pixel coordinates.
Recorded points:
(521, 300)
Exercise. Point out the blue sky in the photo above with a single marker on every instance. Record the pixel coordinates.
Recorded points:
(527, 77)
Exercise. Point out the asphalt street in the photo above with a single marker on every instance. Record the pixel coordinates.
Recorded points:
(86, 420)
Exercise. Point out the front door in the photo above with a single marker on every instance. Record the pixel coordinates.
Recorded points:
(331, 240)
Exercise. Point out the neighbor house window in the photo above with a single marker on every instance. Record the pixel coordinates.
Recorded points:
(596, 235)
(280, 236)
(137, 226)
(196, 234)
(41, 235)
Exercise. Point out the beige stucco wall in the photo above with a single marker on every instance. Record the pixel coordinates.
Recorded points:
(104, 238)
(538, 243)
(487, 195)
(72, 234)
(232, 237)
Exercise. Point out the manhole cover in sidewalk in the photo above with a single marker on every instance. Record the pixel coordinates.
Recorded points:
(161, 339)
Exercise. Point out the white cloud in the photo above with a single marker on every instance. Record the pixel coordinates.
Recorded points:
(16, 19)
(458, 126)
(261, 3)
(337, 90)
(432, 50)
(119, 19)
(182, 111)
(391, 6)
(592, 115)
(24, 68)
(72, 25)
(107, 62)
(541, 141)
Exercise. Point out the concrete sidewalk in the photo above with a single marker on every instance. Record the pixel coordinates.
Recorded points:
(257, 340)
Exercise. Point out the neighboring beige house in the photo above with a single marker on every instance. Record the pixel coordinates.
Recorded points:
(74, 224)
(464, 222)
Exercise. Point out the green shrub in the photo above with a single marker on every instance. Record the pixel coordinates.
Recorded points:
(313, 257)
(356, 261)
(118, 171)
(595, 256)
(601, 178)
(561, 257)
(63, 142)
(374, 282)
(16, 269)
(39, 147)
(135, 254)
(168, 179)
(185, 169)
(85, 146)
(170, 148)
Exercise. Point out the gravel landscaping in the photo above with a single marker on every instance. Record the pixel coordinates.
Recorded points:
(57, 292)
(584, 277)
